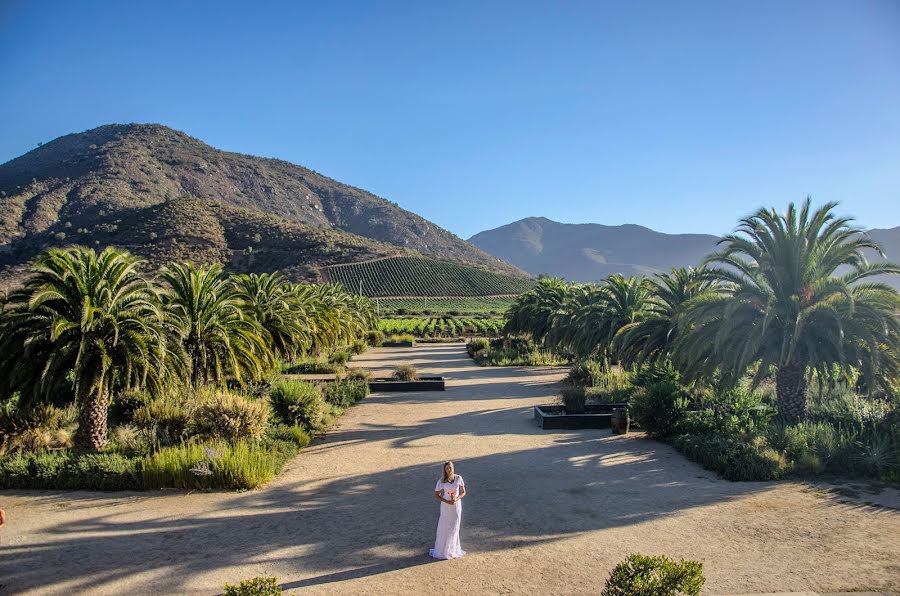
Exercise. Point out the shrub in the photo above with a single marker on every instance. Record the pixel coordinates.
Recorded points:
(406, 337)
(104, 471)
(655, 374)
(65, 470)
(291, 434)
(359, 347)
(359, 374)
(573, 398)
(730, 410)
(258, 586)
(339, 358)
(128, 439)
(125, 403)
(405, 372)
(35, 427)
(241, 465)
(732, 456)
(375, 338)
(658, 408)
(298, 403)
(346, 392)
(165, 419)
(476, 345)
(587, 373)
(640, 575)
(312, 367)
(223, 415)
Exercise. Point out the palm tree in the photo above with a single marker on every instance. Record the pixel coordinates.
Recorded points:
(532, 312)
(269, 299)
(204, 310)
(87, 317)
(650, 339)
(796, 296)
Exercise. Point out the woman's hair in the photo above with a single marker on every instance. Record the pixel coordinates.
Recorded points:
(444, 475)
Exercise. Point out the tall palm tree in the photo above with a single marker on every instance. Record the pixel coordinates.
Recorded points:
(205, 312)
(88, 315)
(651, 338)
(269, 299)
(796, 296)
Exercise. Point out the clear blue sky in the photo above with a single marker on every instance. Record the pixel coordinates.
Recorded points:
(681, 116)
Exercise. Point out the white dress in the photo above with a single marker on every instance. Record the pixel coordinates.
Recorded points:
(446, 545)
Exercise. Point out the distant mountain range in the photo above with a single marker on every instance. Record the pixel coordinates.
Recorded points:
(165, 195)
(591, 252)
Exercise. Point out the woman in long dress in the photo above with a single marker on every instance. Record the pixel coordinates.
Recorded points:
(449, 491)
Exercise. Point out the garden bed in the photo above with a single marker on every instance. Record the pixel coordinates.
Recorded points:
(398, 344)
(421, 384)
(550, 417)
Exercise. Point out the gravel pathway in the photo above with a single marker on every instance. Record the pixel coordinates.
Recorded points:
(548, 512)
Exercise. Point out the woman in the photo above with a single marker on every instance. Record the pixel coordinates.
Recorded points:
(449, 491)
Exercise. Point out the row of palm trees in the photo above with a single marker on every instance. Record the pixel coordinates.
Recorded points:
(93, 323)
(787, 295)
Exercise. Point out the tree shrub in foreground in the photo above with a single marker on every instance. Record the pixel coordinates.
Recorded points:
(640, 575)
(659, 408)
(298, 402)
(258, 586)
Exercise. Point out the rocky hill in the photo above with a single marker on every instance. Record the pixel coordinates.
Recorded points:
(164, 195)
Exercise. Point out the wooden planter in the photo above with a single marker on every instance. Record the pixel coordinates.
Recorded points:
(421, 384)
(550, 417)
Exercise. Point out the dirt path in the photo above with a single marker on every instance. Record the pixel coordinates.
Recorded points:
(548, 512)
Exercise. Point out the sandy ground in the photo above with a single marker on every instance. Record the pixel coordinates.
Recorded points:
(548, 512)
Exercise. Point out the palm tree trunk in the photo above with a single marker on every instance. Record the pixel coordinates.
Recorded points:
(92, 413)
(790, 389)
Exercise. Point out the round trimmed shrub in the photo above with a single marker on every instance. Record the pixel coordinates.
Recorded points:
(640, 575)
(298, 403)
(224, 415)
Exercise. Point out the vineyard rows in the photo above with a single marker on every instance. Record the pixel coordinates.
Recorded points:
(440, 327)
(442, 306)
(417, 276)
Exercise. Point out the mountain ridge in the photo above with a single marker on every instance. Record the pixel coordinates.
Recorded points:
(590, 251)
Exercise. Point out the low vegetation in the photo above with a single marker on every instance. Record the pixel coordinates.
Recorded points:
(641, 575)
(512, 352)
(258, 586)
(441, 327)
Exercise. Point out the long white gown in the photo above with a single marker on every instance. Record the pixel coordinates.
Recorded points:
(446, 544)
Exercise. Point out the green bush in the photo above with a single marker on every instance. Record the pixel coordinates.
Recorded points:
(375, 338)
(291, 434)
(732, 456)
(165, 419)
(346, 392)
(586, 373)
(241, 465)
(732, 410)
(258, 586)
(298, 403)
(659, 408)
(405, 372)
(125, 403)
(316, 366)
(128, 439)
(359, 374)
(476, 345)
(65, 470)
(640, 575)
(655, 374)
(223, 415)
(359, 346)
(573, 398)
(35, 427)
(340, 358)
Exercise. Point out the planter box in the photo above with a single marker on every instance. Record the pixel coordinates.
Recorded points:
(551, 417)
(422, 384)
(398, 344)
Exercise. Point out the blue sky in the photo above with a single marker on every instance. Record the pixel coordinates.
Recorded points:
(681, 116)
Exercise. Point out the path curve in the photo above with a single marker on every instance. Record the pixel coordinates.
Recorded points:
(548, 512)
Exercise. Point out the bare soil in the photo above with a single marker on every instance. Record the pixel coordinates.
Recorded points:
(548, 512)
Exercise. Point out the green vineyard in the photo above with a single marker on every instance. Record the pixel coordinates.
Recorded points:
(417, 276)
(441, 327)
(482, 305)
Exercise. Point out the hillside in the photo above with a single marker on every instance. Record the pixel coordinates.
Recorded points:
(161, 192)
(590, 252)
(416, 276)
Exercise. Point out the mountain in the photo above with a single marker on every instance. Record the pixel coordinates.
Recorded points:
(591, 252)
(164, 195)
